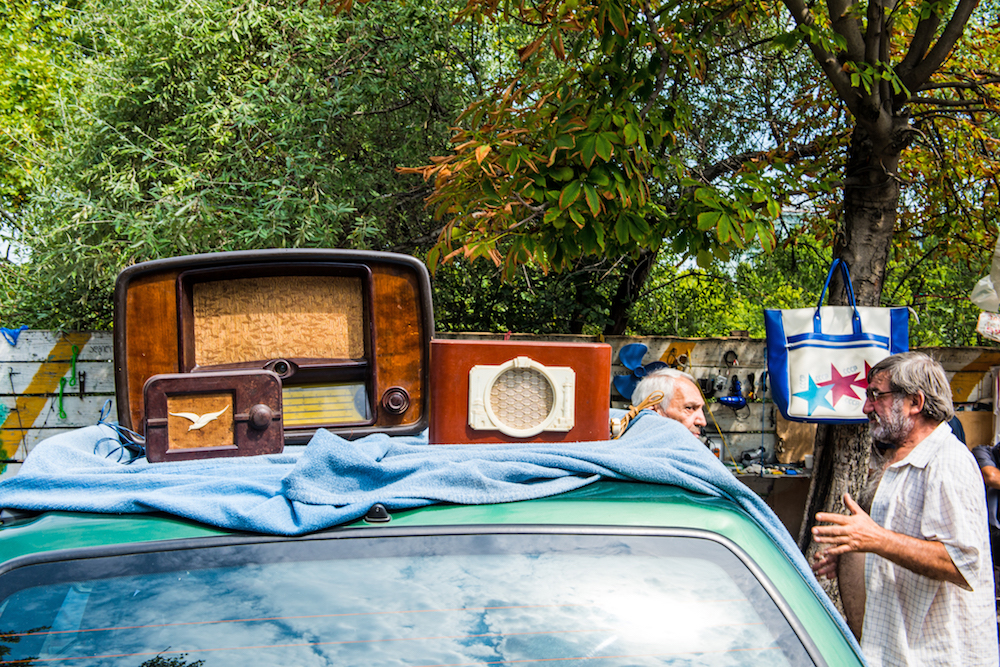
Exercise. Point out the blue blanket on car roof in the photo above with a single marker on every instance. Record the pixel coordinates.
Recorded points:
(333, 481)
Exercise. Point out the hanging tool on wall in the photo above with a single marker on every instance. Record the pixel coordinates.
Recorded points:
(11, 335)
(707, 386)
(735, 399)
(749, 456)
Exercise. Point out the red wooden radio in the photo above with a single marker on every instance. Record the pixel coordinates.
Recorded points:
(503, 391)
(348, 334)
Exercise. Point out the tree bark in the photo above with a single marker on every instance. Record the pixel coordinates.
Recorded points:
(635, 275)
(864, 240)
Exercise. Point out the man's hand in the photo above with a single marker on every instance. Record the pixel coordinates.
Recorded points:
(858, 532)
(849, 532)
(825, 564)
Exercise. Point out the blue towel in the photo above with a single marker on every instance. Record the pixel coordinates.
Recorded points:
(333, 481)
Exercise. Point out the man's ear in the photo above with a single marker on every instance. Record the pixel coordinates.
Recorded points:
(917, 405)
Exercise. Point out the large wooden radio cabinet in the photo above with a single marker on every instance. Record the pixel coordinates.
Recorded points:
(505, 391)
(348, 334)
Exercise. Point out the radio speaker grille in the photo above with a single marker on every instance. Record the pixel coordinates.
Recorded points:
(522, 398)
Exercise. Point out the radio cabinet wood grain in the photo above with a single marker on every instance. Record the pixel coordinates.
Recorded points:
(496, 391)
(380, 384)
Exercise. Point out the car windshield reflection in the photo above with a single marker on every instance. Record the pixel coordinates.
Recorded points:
(436, 600)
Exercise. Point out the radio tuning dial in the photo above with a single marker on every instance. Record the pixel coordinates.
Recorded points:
(395, 400)
(260, 417)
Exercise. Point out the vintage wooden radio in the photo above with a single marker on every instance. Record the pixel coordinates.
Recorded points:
(503, 391)
(232, 413)
(348, 333)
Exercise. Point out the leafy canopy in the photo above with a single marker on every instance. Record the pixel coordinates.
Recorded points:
(584, 151)
(205, 126)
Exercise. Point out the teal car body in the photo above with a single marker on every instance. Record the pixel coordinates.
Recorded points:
(615, 573)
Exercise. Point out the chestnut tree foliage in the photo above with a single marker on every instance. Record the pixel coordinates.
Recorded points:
(637, 125)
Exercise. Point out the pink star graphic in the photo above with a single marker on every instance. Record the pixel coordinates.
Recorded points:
(843, 384)
(863, 382)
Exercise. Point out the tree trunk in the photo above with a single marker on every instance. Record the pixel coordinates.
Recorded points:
(635, 274)
(871, 194)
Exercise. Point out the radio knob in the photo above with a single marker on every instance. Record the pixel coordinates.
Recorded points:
(260, 417)
(395, 400)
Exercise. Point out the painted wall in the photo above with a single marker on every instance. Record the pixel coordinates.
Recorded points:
(51, 383)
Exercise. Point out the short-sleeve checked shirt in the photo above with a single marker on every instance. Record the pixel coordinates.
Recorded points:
(935, 493)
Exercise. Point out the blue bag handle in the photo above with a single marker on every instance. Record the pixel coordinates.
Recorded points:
(817, 323)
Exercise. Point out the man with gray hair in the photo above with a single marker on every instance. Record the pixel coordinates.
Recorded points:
(928, 577)
(682, 400)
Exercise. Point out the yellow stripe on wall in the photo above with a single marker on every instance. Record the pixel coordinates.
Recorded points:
(32, 402)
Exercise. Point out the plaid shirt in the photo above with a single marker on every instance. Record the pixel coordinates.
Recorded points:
(935, 493)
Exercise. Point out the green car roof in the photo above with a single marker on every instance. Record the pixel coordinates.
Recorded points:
(620, 505)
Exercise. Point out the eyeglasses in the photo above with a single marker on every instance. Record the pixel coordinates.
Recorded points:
(875, 394)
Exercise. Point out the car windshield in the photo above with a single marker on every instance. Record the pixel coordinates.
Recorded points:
(434, 600)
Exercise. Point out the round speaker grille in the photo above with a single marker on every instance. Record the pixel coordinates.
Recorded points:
(522, 398)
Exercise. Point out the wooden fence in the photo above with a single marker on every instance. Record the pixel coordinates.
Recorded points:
(51, 383)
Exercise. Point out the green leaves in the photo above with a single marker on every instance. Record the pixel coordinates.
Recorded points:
(211, 126)
(569, 194)
(593, 202)
(605, 136)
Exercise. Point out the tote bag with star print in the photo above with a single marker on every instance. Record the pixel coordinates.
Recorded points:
(818, 358)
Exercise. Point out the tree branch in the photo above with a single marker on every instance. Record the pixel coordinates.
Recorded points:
(734, 162)
(875, 41)
(921, 41)
(847, 27)
(965, 85)
(664, 54)
(930, 63)
(827, 61)
(938, 102)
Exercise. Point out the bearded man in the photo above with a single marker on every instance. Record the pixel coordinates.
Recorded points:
(928, 575)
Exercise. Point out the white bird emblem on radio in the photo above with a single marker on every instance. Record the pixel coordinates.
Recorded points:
(197, 421)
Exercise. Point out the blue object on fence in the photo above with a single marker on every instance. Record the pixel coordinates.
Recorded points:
(630, 357)
(11, 334)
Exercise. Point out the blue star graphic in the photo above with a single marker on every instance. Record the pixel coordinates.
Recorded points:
(815, 396)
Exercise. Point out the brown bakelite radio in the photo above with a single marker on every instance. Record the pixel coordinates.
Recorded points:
(346, 333)
(513, 391)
